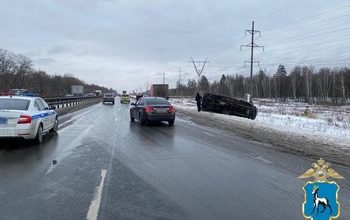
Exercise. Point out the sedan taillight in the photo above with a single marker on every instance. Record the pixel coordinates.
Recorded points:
(25, 119)
(171, 109)
(149, 109)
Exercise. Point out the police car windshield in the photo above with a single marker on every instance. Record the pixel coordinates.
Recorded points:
(14, 104)
(156, 101)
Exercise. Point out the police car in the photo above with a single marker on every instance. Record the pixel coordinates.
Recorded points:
(26, 117)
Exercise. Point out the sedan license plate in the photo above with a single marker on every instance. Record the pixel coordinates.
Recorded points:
(3, 121)
(162, 110)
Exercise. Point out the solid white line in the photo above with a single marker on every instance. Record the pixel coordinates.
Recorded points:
(95, 203)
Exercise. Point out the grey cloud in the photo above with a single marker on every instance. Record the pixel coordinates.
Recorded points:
(119, 36)
(43, 61)
(58, 50)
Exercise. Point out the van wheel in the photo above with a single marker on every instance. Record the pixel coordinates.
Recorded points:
(254, 113)
(39, 135)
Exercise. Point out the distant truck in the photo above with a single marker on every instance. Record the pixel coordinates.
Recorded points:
(77, 90)
(228, 105)
(160, 90)
(98, 92)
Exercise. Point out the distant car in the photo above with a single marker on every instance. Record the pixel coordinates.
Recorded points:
(108, 97)
(152, 109)
(125, 98)
(26, 118)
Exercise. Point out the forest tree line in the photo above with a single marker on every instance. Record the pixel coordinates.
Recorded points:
(17, 72)
(302, 83)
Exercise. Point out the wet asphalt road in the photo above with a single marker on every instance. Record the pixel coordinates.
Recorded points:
(154, 172)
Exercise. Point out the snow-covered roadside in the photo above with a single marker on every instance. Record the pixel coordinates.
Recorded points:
(329, 125)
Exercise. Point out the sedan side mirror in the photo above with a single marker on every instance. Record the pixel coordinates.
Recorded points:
(52, 107)
(133, 103)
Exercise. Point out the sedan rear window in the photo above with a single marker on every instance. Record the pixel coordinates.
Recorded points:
(108, 95)
(14, 104)
(158, 101)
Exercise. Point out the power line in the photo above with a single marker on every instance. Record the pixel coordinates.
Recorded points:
(309, 17)
(311, 61)
(302, 22)
(280, 9)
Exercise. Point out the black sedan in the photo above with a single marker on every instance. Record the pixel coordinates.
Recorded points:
(152, 109)
(108, 97)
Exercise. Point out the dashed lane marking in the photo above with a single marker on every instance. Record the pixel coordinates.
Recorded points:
(95, 203)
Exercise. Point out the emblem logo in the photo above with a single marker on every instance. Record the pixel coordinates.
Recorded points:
(321, 195)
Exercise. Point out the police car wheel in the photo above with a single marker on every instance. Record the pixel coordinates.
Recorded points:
(55, 126)
(39, 135)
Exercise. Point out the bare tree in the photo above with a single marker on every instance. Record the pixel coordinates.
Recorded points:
(295, 75)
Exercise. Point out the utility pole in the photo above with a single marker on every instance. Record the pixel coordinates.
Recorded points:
(180, 75)
(252, 45)
(199, 71)
(180, 81)
(163, 77)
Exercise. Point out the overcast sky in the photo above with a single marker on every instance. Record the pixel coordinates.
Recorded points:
(124, 44)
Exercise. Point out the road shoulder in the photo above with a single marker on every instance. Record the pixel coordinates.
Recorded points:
(304, 145)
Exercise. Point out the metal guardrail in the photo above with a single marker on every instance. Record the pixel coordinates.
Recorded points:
(64, 102)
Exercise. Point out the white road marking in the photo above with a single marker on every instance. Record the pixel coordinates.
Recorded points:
(209, 134)
(264, 160)
(74, 118)
(95, 204)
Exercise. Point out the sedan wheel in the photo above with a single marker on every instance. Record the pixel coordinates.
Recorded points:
(131, 118)
(171, 122)
(141, 120)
